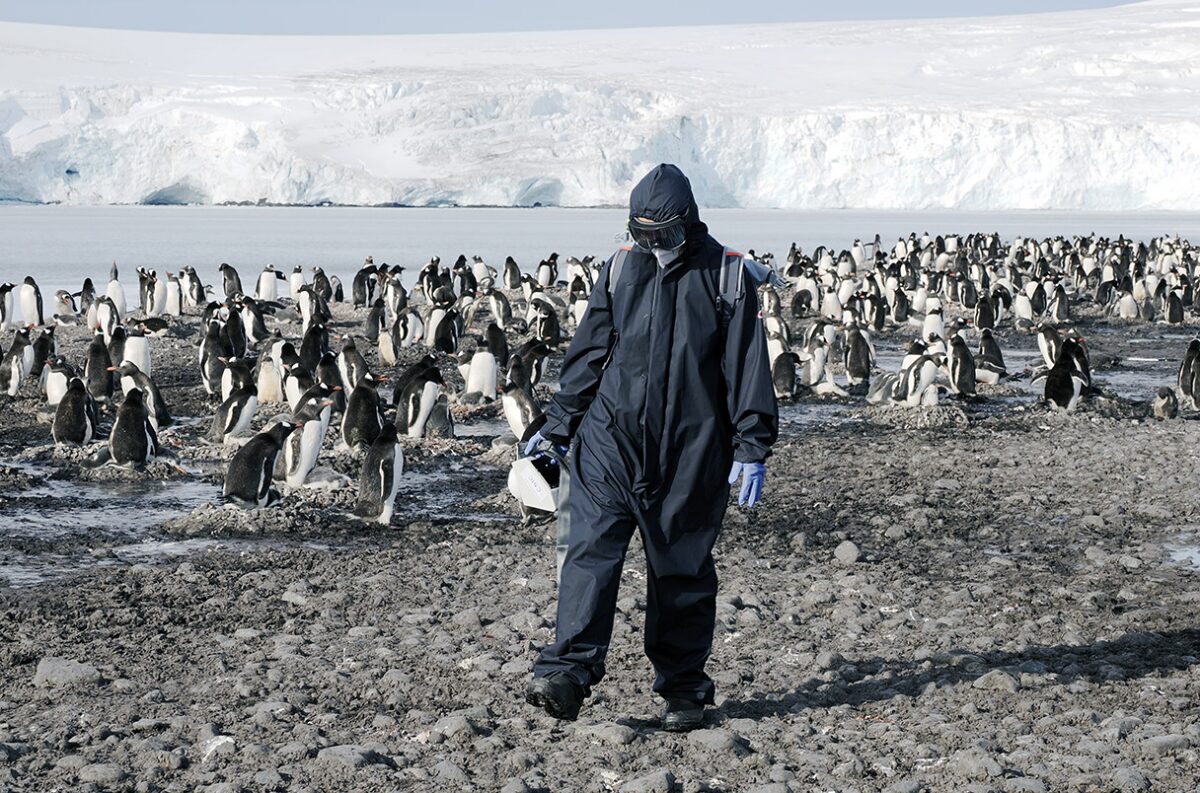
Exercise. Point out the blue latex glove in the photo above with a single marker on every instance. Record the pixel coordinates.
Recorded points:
(533, 447)
(753, 476)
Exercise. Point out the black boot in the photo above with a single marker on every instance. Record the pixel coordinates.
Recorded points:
(682, 715)
(558, 695)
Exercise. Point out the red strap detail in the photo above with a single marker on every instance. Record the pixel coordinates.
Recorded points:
(625, 248)
(733, 254)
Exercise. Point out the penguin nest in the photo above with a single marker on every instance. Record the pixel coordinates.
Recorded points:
(916, 418)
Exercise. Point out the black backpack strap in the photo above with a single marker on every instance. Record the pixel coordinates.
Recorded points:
(614, 270)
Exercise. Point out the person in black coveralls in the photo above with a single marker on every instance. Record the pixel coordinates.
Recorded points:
(666, 399)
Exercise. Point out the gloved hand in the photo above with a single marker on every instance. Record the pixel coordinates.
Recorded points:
(754, 476)
(533, 447)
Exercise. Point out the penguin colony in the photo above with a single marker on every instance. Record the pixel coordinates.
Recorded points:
(959, 295)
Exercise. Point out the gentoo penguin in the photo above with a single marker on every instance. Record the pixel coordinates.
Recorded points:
(58, 378)
(329, 375)
(1187, 369)
(380, 478)
(252, 321)
(989, 361)
(31, 303)
(962, 367)
(520, 409)
(7, 320)
(335, 286)
(440, 423)
(115, 292)
(269, 377)
(268, 281)
(1050, 343)
(321, 285)
(116, 344)
(64, 304)
(234, 416)
(363, 418)
(512, 273)
(350, 363)
(296, 382)
(443, 331)
(212, 351)
(363, 287)
(376, 321)
(97, 370)
(1064, 382)
(783, 375)
(236, 375)
(137, 350)
(302, 448)
(296, 282)
(497, 344)
(230, 280)
(75, 418)
(174, 302)
(1166, 404)
(233, 333)
(314, 344)
(481, 375)
(132, 377)
(858, 358)
(15, 365)
(546, 327)
(133, 440)
(248, 478)
(108, 317)
(533, 354)
(44, 348)
(417, 401)
(547, 271)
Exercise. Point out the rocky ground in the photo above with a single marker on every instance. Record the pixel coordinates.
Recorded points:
(977, 597)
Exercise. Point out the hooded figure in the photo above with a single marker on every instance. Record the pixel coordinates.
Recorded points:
(666, 387)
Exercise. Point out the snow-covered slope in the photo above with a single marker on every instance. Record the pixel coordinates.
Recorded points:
(1081, 110)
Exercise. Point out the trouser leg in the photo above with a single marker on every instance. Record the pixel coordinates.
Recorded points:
(681, 610)
(587, 594)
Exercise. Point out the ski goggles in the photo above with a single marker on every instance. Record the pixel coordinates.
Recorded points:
(665, 235)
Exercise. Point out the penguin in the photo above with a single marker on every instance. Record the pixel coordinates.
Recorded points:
(173, 306)
(137, 350)
(314, 345)
(156, 407)
(58, 378)
(1050, 343)
(269, 381)
(133, 440)
(7, 320)
(252, 321)
(321, 285)
(376, 321)
(499, 307)
(302, 449)
(858, 358)
(108, 317)
(1186, 376)
(962, 367)
(1063, 381)
(363, 287)
(97, 370)
(351, 363)
(230, 280)
(44, 348)
(64, 304)
(417, 401)
(75, 417)
(379, 481)
(212, 351)
(235, 415)
(363, 417)
(497, 344)
(248, 478)
(115, 292)
(783, 375)
(31, 303)
(15, 365)
(533, 354)
(296, 282)
(520, 409)
(268, 281)
(440, 423)
(512, 273)
(296, 382)
(481, 375)
(443, 334)
(233, 333)
(1166, 404)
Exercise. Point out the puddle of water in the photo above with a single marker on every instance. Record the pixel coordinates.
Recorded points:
(1185, 554)
(483, 428)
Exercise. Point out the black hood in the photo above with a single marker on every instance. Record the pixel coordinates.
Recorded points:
(664, 193)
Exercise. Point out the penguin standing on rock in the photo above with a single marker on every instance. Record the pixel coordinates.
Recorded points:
(15, 365)
(520, 410)
(31, 303)
(133, 440)
(248, 478)
(363, 419)
(131, 378)
(1064, 382)
(58, 378)
(75, 418)
(380, 478)
(962, 367)
(234, 416)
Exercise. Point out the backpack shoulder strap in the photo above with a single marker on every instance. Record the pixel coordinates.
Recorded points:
(614, 270)
(733, 277)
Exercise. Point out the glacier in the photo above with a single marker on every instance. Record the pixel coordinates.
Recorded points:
(1082, 110)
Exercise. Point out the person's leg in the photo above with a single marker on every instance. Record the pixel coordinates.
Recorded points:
(587, 595)
(681, 609)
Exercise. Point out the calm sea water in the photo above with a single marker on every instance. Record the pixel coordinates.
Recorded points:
(61, 245)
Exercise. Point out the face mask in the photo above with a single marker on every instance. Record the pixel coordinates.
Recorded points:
(666, 255)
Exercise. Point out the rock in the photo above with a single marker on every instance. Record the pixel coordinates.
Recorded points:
(455, 724)
(1130, 562)
(614, 734)
(976, 764)
(447, 771)
(770, 787)
(54, 672)
(515, 786)
(1024, 784)
(1165, 744)
(905, 786)
(716, 740)
(101, 774)
(847, 552)
(217, 746)
(347, 756)
(997, 680)
(1130, 779)
(827, 660)
(270, 778)
(655, 782)
(467, 619)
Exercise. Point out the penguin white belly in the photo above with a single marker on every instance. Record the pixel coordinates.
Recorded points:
(116, 293)
(158, 301)
(416, 329)
(543, 275)
(580, 311)
(481, 375)
(435, 319)
(429, 395)
(137, 350)
(389, 495)
(56, 387)
(312, 434)
(387, 351)
(245, 417)
(292, 391)
(295, 283)
(266, 286)
(174, 303)
(514, 416)
(29, 312)
(269, 391)
(127, 384)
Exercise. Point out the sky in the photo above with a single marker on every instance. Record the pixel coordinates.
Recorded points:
(476, 16)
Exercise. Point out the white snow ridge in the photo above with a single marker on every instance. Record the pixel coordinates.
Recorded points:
(1096, 110)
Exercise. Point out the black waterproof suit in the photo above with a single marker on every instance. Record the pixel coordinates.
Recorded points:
(663, 386)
